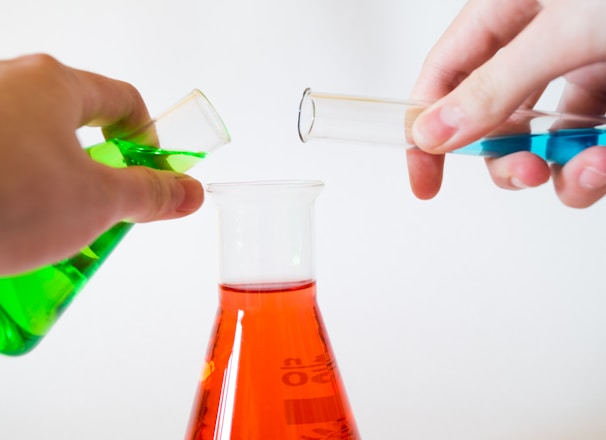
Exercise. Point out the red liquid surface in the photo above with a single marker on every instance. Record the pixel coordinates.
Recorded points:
(270, 372)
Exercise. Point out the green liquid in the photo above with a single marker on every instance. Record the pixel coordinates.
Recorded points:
(30, 303)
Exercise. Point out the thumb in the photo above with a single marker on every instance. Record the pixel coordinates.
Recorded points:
(142, 194)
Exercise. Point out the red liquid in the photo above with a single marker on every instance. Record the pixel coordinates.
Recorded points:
(270, 372)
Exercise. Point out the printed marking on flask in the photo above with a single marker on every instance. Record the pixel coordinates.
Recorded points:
(323, 366)
(312, 410)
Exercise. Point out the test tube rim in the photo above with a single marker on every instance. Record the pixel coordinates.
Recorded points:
(304, 99)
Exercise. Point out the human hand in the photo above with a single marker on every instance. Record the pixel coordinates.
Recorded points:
(54, 199)
(497, 56)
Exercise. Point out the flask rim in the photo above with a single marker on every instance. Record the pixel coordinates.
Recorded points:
(260, 185)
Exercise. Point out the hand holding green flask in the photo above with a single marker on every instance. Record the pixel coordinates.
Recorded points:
(31, 302)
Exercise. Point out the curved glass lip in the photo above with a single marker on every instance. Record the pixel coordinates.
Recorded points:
(212, 119)
(260, 185)
(307, 113)
(208, 109)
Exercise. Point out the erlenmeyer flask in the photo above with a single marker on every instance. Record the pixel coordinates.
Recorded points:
(270, 372)
(31, 302)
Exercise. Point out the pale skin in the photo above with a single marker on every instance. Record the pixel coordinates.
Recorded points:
(54, 199)
(495, 57)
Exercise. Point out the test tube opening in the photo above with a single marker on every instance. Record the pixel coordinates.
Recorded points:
(307, 114)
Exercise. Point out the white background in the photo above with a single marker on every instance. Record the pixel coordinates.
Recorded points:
(477, 315)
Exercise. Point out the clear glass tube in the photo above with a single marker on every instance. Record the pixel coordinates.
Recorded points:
(555, 137)
(192, 124)
(30, 303)
(270, 371)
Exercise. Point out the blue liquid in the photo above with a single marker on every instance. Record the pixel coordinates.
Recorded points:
(558, 146)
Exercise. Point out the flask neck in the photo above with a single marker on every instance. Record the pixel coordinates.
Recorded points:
(266, 231)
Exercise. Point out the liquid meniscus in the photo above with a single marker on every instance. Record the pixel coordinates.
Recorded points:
(120, 154)
(31, 302)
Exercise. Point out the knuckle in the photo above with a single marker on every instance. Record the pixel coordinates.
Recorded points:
(130, 93)
(437, 73)
(45, 74)
(132, 90)
(483, 91)
(40, 62)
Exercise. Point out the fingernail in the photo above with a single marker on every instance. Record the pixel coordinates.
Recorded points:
(437, 126)
(517, 183)
(592, 178)
(193, 194)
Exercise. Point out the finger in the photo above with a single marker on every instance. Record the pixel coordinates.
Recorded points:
(482, 26)
(114, 105)
(584, 91)
(424, 172)
(476, 34)
(87, 98)
(582, 181)
(141, 194)
(494, 90)
(518, 171)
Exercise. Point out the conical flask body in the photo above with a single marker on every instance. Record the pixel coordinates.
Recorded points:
(270, 371)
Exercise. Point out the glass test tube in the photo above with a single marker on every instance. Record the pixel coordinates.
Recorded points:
(555, 137)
